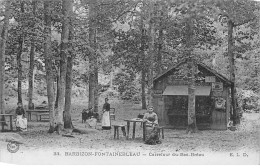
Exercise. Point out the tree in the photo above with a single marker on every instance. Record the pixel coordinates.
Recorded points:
(235, 13)
(93, 74)
(161, 19)
(192, 126)
(125, 81)
(2, 53)
(94, 41)
(48, 64)
(31, 68)
(197, 33)
(247, 76)
(135, 47)
(143, 69)
(19, 53)
(66, 5)
(151, 51)
(67, 115)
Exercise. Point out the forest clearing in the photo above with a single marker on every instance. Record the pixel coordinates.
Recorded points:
(130, 75)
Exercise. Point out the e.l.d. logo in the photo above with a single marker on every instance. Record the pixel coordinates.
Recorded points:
(12, 147)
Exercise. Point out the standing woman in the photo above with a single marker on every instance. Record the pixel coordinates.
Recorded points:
(106, 124)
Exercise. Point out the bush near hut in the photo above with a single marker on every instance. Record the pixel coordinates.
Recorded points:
(248, 101)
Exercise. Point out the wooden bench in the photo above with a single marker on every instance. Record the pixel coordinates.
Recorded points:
(116, 130)
(40, 115)
(37, 112)
(3, 121)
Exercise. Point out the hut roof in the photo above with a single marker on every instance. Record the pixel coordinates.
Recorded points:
(200, 65)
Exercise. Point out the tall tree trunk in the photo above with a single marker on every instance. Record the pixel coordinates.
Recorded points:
(57, 90)
(93, 75)
(48, 63)
(91, 96)
(232, 71)
(143, 69)
(96, 97)
(31, 67)
(111, 77)
(160, 38)
(143, 74)
(192, 127)
(18, 58)
(67, 114)
(63, 64)
(3, 40)
(151, 46)
(159, 53)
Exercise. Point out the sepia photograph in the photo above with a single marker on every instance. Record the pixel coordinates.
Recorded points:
(130, 82)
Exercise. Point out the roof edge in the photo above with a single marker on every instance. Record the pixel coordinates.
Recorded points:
(198, 63)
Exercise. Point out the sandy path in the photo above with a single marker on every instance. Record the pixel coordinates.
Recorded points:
(244, 140)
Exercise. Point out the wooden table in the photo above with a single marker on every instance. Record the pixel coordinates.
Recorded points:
(37, 111)
(134, 121)
(3, 121)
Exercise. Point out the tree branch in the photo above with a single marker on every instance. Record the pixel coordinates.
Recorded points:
(245, 22)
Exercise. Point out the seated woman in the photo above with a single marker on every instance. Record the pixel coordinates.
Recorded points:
(151, 119)
(21, 121)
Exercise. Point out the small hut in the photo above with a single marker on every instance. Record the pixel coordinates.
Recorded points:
(212, 97)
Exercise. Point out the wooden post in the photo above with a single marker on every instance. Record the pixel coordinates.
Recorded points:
(114, 132)
(3, 126)
(144, 130)
(117, 130)
(127, 129)
(134, 124)
(11, 122)
(162, 133)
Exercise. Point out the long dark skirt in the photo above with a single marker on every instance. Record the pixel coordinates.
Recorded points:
(152, 136)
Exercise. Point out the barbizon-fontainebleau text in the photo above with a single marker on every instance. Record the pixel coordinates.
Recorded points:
(131, 154)
(102, 153)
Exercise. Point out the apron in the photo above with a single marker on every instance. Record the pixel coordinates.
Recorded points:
(21, 123)
(106, 124)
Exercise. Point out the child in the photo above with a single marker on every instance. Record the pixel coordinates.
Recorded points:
(21, 121)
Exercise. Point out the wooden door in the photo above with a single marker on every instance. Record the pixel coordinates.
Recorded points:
(219, 121)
